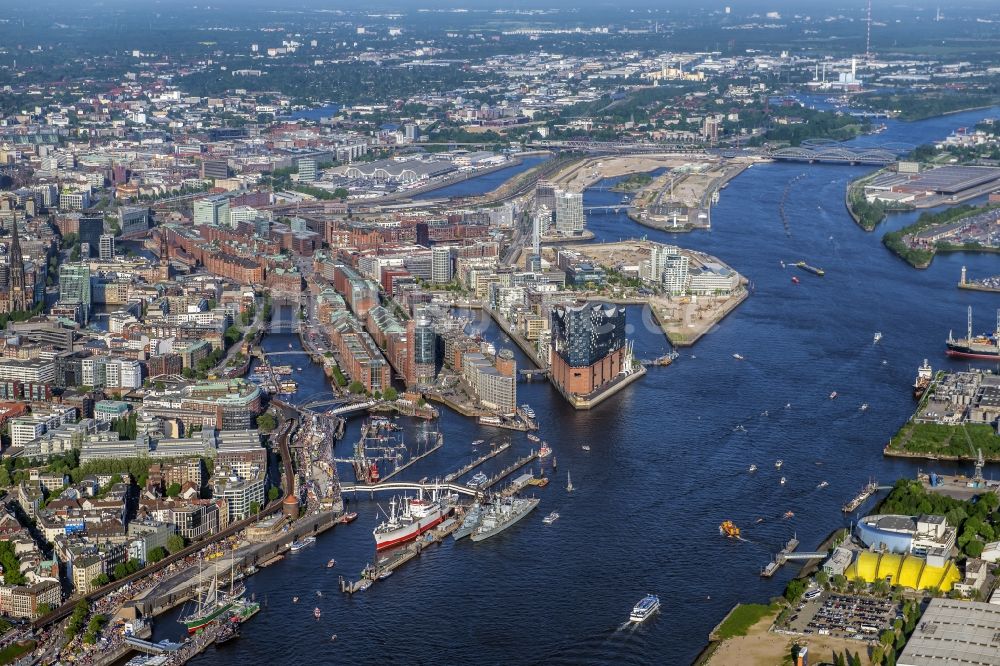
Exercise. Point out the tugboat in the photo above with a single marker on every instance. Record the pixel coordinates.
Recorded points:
(728, 529)
(645, 609)
(545, 451)
(924, 375)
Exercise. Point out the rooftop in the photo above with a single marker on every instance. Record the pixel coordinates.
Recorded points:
(955, 632)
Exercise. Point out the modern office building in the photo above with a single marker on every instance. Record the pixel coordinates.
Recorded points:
(91, 229)
(589, 349)
(213, 211)
(106, 247)
(570, 219)
(213, 169)
(307, 170)
(74, 287)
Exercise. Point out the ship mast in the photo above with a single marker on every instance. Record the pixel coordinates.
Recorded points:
(996, 332)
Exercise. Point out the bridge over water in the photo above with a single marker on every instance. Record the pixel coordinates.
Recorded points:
(832, 152)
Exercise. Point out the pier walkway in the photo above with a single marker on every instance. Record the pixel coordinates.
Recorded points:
(405, 485)
(465, 469)
(152, 648)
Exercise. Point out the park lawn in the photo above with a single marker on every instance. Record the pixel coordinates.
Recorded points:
(940, 439)
(742, 618)
(12, 652)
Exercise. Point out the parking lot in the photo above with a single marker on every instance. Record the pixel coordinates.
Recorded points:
(844, 615)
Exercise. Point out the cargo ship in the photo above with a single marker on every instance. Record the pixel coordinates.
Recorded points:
(924, 375)
(986, 347)
(811, 269)
(501, 515)
(416, 517)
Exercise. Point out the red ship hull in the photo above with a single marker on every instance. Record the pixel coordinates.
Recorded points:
(954, 353)
(417, 530)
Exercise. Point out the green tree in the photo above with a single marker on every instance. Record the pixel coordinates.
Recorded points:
(390, 394)
(156, 554)
(356, 387)
(100, 580)
(174, 489)
(266, 422)
(794, 590)
(44, 608)
(254, 508)
(273, 494)
(175, 543)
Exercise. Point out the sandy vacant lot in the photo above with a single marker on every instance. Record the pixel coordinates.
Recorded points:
(762, 648)
(593, 170)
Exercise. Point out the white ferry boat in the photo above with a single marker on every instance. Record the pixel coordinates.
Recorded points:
(551, 518)
(645, 609)
(299, 545)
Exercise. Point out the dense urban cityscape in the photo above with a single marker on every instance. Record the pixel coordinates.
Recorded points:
(290, 295)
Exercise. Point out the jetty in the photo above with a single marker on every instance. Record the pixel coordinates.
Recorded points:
(384, 567)
(477, 462)
(786, 554)
(510, 469)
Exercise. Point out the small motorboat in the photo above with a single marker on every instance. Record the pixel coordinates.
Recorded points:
(788, 514)
(878, 336)
(833, 396)
(778, 463)
(753, 467)
(738, 357)
(317, 612)
(863, 407)
(319, 593)
(331, 564)
(385, 574)
(822, 484)
(795, 280)
(782, 482)
(585, 447)
(295, 600)
(334, 637)
(551, 518)
(758, 521)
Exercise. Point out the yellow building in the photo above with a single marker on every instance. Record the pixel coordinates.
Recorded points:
(903, 570)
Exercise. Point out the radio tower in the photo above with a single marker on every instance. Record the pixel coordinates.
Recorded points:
(868, 34)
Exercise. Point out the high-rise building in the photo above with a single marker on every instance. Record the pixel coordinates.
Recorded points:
(74, 287)
(134, 220)
(307, 170)
(424, 350)
(540, 224)
(107, 247)
(569, 212)
(545, 195)
(441, 268)
(91, 229)
(213, 211)
(423, 234)
(588, 349)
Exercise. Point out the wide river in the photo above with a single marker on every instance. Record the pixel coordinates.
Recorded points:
(668, 458)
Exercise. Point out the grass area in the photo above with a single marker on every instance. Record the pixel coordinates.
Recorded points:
(744, 616)
(634, 182)
(12, 652)
(947, 440)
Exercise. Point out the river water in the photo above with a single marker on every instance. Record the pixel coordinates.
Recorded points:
(668, 458)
